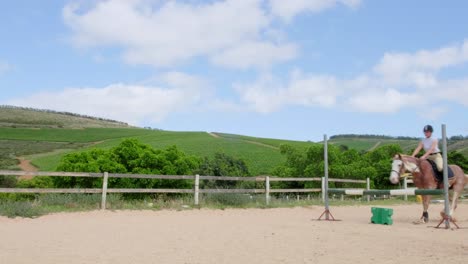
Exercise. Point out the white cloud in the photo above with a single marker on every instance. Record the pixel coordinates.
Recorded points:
(165, 33)
(433, 113)
(290, 8)
(389, 101)
(259, 54)
(453, 91)
(399, 81)
(418, 68)
(4, 67)
(267, 94)
(230, 33)
(130, 103)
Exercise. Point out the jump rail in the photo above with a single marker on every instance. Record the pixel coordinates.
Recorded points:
(387, 192)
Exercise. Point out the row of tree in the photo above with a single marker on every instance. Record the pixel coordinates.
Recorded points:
(345, 136)
(131, 156)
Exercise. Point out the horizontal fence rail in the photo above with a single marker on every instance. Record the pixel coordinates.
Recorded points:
(48, 190)
(196, 190)
(45, 173)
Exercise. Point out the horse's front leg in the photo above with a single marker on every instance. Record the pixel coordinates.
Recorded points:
(425, 216)
(426, 201)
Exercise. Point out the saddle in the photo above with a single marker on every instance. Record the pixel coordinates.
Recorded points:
(439, 175)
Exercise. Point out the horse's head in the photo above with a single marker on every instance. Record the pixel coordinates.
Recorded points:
(398, 167)
(401, 164)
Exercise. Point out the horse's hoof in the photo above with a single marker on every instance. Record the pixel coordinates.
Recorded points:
(421, 221)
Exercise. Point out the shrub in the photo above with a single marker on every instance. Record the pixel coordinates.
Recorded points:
(14, 209)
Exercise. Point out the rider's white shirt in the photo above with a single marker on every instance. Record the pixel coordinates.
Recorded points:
(427, 144)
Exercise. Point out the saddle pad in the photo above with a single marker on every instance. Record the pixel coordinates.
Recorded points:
(439, 175)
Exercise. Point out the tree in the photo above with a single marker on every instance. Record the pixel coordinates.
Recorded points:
(222, 165)
(343, 163)
(455, 157)
(130, 156)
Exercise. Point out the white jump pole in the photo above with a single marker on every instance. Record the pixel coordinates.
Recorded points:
(446, 182)
(328, 215)
(325, 159)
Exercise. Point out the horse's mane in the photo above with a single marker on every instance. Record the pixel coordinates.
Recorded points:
(411, 158)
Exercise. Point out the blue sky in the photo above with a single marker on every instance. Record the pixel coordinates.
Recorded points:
(293, 69)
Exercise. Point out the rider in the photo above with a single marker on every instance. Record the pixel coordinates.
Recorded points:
(431, 147)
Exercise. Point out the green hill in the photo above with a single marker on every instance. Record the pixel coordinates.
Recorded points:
(11, 116)
(44, 137)
(48, 145)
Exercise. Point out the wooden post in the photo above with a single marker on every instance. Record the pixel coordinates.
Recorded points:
(405, 186)
(267, 190)
(368, 188)
(104, 191)
(197, 189)
(323, 189)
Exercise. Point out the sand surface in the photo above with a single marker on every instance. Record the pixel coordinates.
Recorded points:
(232, 236)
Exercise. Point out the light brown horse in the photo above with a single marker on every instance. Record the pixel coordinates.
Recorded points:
(424, 178)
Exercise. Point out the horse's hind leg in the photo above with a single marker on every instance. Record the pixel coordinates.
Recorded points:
(453, 205)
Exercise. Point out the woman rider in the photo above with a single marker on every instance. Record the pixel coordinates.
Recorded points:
(431, 147)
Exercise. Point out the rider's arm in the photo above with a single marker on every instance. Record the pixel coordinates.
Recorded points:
(418, 149)
(431, 150)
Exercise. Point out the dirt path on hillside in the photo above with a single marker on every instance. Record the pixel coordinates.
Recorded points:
(260, 144)
(213, 134)
(270, 236)
(248, 141)
(25, 165)
(375, 146)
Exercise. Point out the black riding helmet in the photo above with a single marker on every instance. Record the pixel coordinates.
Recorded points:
(428, 128)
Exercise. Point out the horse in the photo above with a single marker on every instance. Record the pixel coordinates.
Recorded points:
(424, 178)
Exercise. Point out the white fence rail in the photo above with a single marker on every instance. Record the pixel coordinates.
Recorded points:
(195, 191)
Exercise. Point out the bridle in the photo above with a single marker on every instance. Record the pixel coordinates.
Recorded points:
(404, 167)
(399, 173)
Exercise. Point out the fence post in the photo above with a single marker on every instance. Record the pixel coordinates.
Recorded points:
(104, 191)
(368, 188)
(197, 191)
(267, 190)
(323, 189)
(405, 186)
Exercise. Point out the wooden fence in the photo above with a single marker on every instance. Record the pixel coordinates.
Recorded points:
(196, 178)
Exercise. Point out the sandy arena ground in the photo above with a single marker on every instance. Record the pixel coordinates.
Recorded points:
(232, 236)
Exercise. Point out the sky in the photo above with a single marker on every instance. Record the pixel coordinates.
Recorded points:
(295, 69)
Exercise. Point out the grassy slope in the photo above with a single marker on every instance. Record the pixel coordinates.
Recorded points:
(260, 154)
(365, 144)
(30, 118)
(70, 135)
(274, 143)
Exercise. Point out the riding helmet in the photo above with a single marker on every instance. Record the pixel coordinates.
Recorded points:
(428, 128)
